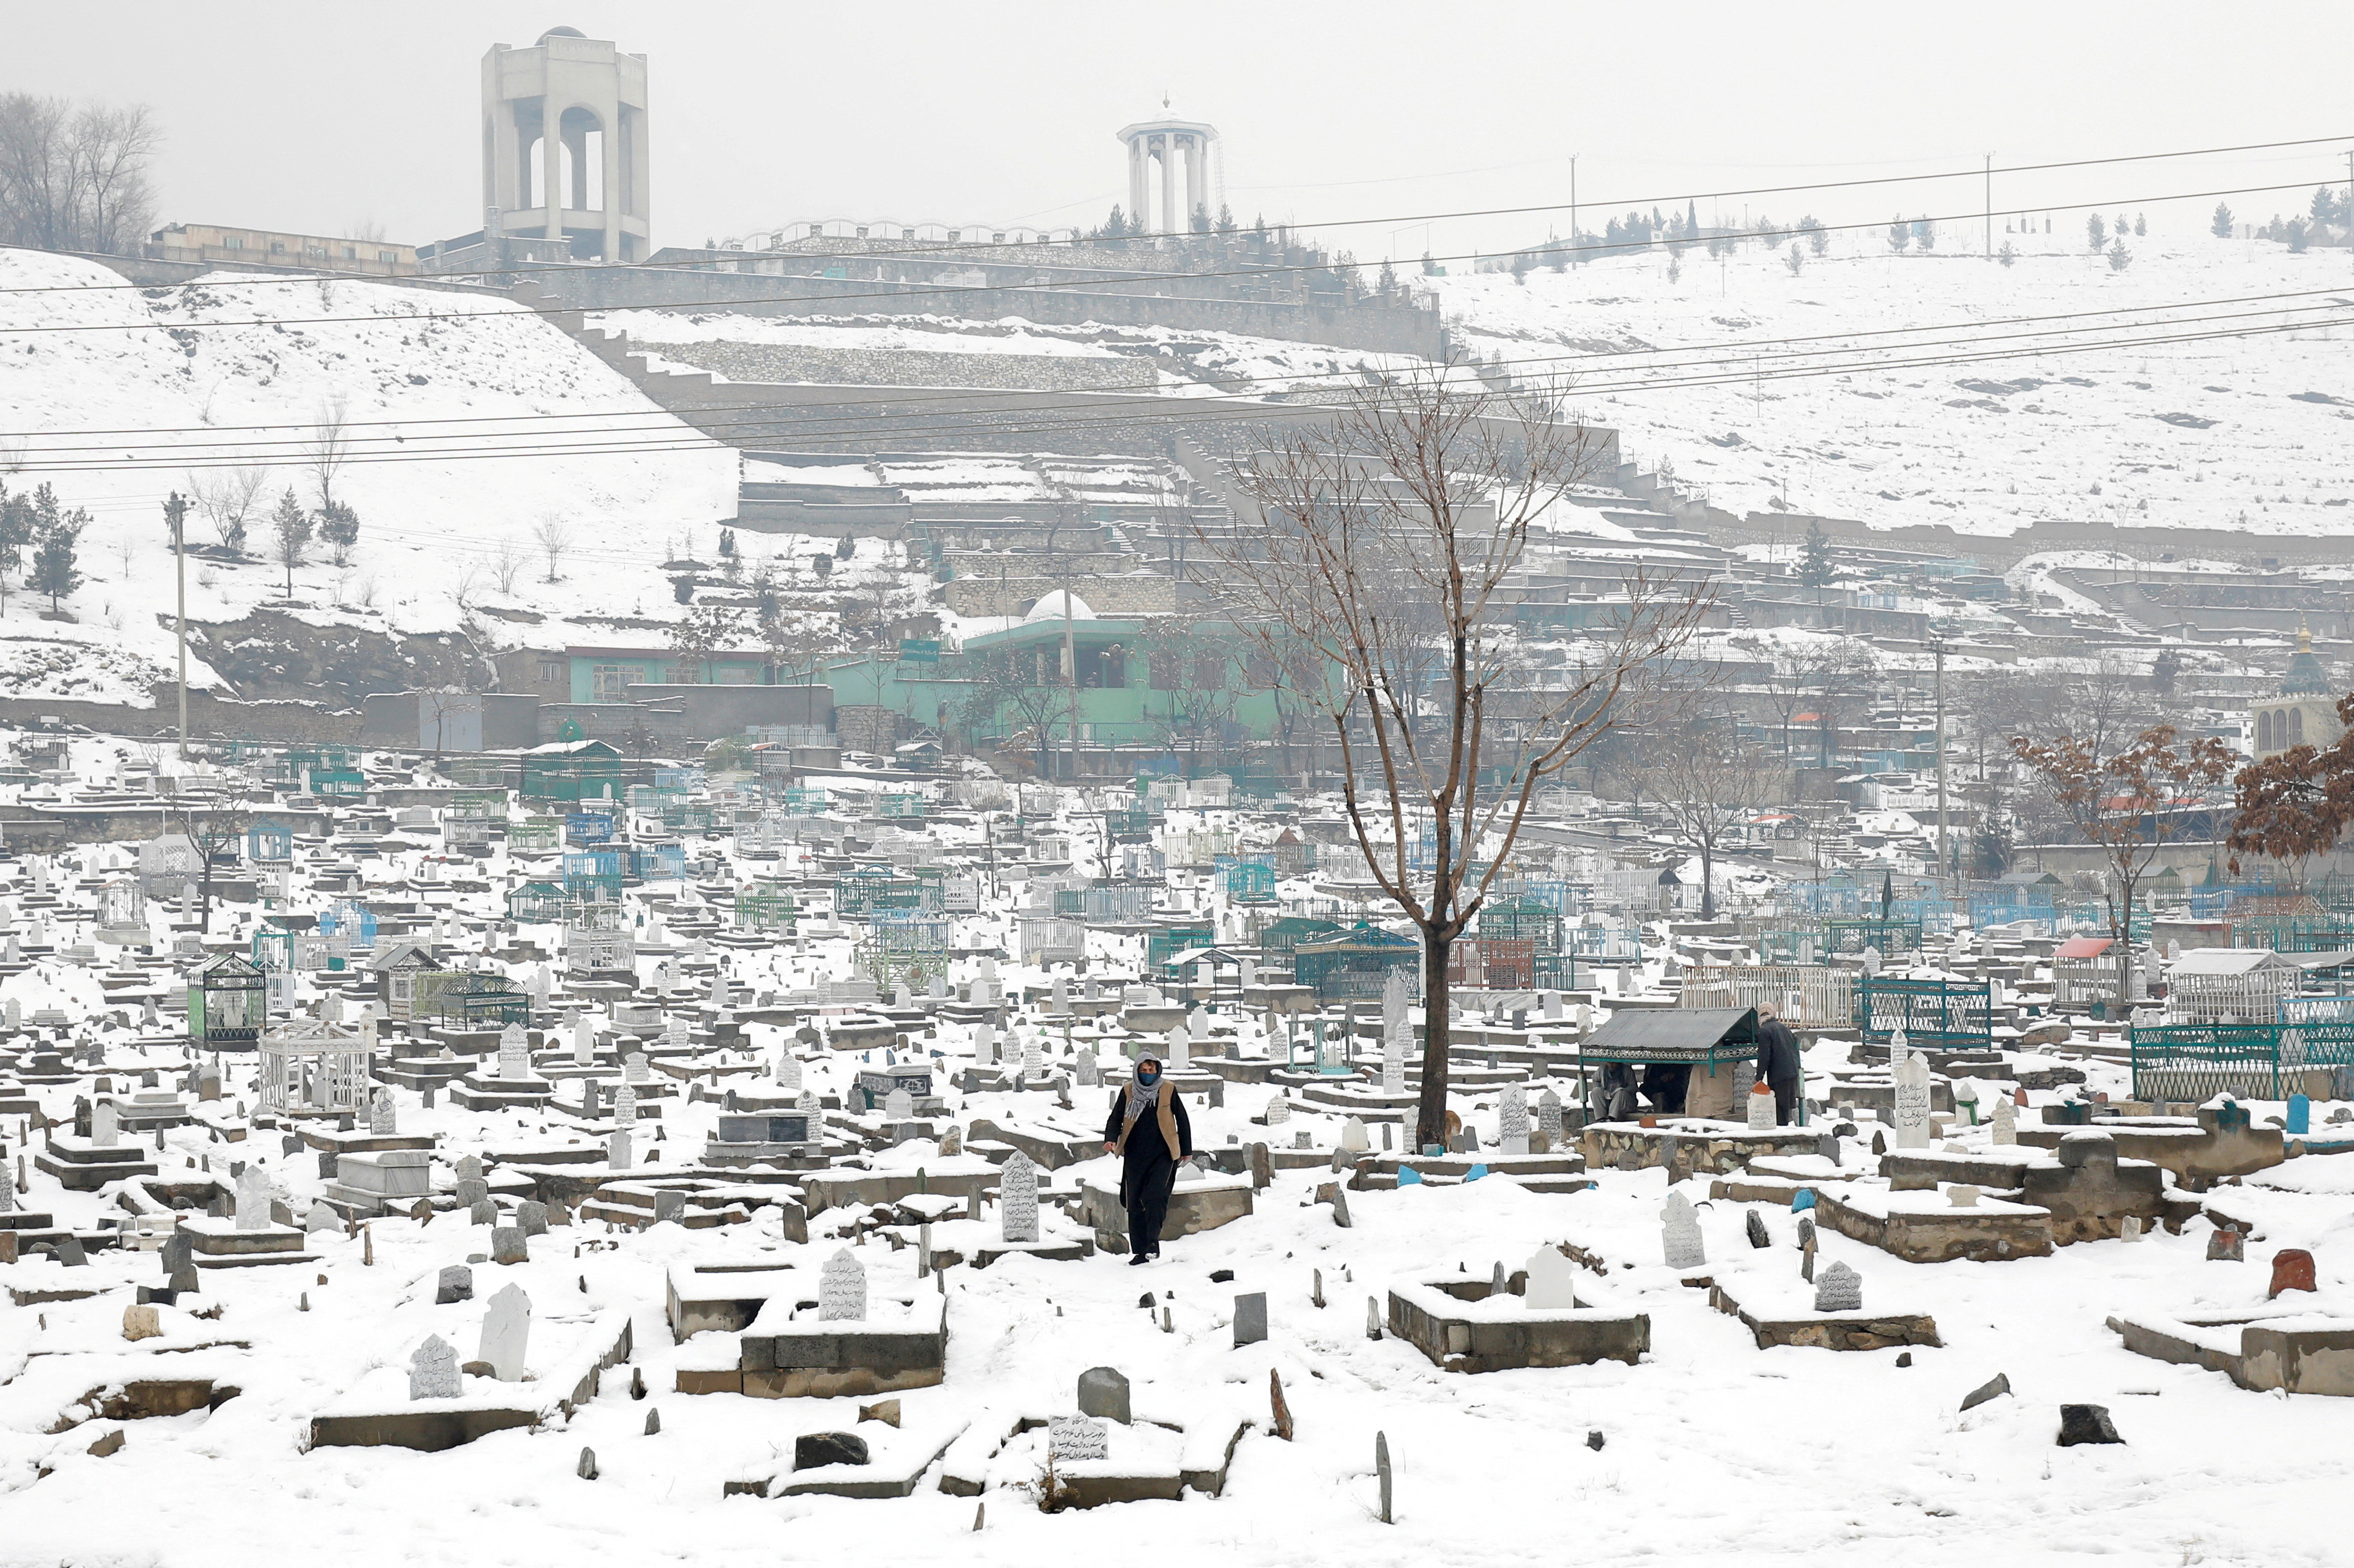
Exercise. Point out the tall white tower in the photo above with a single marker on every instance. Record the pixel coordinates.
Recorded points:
(1181, 147)
(587, 181)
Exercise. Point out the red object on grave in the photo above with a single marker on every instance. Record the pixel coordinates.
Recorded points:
(2292, 1270)
(2019, 1098)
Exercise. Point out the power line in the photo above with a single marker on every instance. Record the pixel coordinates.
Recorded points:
(1162, 415)
(936, 248)
(769, 414)
(928, 291)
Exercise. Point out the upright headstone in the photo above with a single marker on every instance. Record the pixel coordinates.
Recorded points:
(625, 1106)
(634, 1068)
(1352, 1135)
(1761, 1108)
(105, 1123)
(1838, 1289)
(1250, 1319)
(1512, 1120)
(1085, 1070)
(1680, 1233)
(841, 1290)
(788, 1071)
(899, 1106)
(1911, 1103)
(1278, 1109)
(515, 1052)
(1551, 1285)
(1103, 1393)
(1017, 1198)
(2299, 1122)
(1180, 1047)
(252, 1200)
(384, 1117)
(2005, 1129)
(1395, 1030)
(617, 1149)
(506, 1333)
(433, 1369)
(584, 1041)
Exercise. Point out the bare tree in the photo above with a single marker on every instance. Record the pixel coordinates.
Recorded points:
(1386, 541)
(506, 565)
(227, 496)
(2130, 806)
(1004, 686)
(368, 230)
(329, 448)
(74, 178)
(705, 630)
(555, 541)
(1704, 784)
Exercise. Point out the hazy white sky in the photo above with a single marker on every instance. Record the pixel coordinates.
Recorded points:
(310, 115)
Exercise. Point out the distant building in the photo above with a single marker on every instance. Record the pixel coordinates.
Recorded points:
(2304, 712)
(213, 243)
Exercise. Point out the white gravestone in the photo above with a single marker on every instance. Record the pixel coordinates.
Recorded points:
(1181, 1048)
(625, 1106)
(105, 1123)
(1761, 1108)
(506, 1333)
(1084, 1070)
(1911, 1103)
(584, 1041)
(788, 1071)
(252, 1200)
(841, 1290)
(1680, 1233)
(384, 1117)
(617, 1149)
(1552, 1282)
(433, 1369)
(1512, 1120)
(515, 1052)
(899, 1106)
(1278, 1110)
(1032, 1065)
(1017, 1198)
(634, 1068)
(1395, 1030)
(1073, 1439)
(2005, 1121)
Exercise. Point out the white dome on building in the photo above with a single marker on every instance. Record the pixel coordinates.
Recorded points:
(1050, 608)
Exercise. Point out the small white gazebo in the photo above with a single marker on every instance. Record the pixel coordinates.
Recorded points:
(312, 1067)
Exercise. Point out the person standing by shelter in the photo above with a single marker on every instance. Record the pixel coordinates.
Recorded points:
(1777, 1064)
(1149, 1130)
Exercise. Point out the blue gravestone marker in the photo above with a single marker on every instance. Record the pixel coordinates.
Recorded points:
(1475, 1174)
(2300, 1115)
(1409, 1177)
(1803, 1200)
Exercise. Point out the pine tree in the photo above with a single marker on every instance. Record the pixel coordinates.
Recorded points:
(1796, 261)
(55, 571)
(2008, 255)
(1899, 236)
(16, 533)
(290, 530)
(2097, 231)
(1429, 268)
(339, 525)
(1520, 269)
(1200, 217)
(2298, 237)
(1816, 568)
(2222, 227)
(1388, 277)
(2119, 257)
(2141, 224)
(1818, 238)
(1225, 219)
(1924, 232)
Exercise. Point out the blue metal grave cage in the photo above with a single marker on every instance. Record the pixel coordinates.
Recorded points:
(592, 873)
(1357, 965)
(354, 922)
(270, 841)
(587, 827)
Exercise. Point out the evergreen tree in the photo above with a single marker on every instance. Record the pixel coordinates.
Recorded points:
(2008, 255)
(1388, 277)
(1816, 568)
(1924, 232)
(339, 525)
(2298, 237)
(1796, 261)
(1225, 219)
(1899, 234)
(1691, 218)
(2096, 231)
(2141, 224)
(16, 533)
(1115, 226)
(290, 530)
(2119, 257)
(55, 571)
(1520, 269)
(1429, 268)
(2222, 227)
(1818, 238)
(1201, 220)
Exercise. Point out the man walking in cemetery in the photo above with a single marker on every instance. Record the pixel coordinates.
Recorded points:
(1777, 1064)
(1149, 1130)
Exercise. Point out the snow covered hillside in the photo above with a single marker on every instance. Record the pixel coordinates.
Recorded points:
(436, 535)
(2247, 432)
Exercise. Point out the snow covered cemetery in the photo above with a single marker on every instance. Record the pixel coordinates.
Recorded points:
(699, 1155)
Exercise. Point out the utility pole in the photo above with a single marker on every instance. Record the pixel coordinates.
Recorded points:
(176, 513)
(1575, 257)
(1071, 672)
(1990, 204)
(1944, 850)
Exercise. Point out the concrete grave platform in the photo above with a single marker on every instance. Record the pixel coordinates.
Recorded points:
(1171, 1448)
(81, 1166)
(378, 1413)
(1784, 1314)
(2304, 1347)
(1717, 1147)
(218, 1244)
(958, 1176)
(1537, 1172)
(1461, 1326)
(898, 1458)
(1926, 1227)
(1193, 1206)
(786, 1352)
